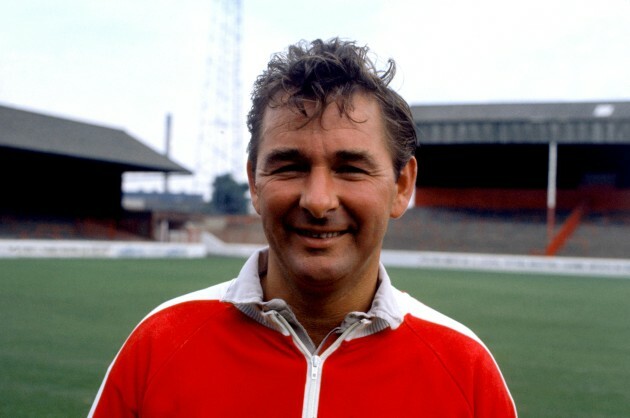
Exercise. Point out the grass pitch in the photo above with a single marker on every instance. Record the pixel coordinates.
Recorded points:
(563, 343)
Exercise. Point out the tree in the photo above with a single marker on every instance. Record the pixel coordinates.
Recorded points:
(228, 196)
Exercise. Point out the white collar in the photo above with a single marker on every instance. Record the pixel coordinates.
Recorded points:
(246, 294)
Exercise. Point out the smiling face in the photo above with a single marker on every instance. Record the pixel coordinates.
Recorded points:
(325, 192)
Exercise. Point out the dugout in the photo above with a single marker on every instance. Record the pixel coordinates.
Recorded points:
(524, 156)
(58, 172)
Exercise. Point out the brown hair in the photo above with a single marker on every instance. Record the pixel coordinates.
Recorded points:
(325, 72)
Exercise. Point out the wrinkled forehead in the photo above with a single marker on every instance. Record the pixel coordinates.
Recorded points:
(281, 116)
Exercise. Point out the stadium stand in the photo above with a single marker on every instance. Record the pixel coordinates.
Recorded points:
(506, 232)
(60, 228)
(482, 185)
(471, 231)
(488, 172)
(62, 179)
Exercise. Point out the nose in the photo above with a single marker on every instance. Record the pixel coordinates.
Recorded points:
(319, 195)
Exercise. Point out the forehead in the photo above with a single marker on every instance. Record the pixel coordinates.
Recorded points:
(364, 116)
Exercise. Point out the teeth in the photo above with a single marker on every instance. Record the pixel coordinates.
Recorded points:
(323, 235)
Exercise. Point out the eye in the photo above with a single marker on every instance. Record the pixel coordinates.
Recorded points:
(289, 168)
(351, 169)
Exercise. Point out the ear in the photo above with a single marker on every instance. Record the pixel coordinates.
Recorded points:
(251, 180)
(404, 188)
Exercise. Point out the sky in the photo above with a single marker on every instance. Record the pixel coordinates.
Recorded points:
(127, 63)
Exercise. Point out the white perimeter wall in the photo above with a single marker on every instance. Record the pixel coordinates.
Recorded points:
(97, 249)
(213, 246)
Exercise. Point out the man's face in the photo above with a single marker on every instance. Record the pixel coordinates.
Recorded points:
(325, 192)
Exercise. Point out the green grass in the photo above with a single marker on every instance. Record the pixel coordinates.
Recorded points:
(563, 343)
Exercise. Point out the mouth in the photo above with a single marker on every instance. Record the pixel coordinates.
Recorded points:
(319, 235)
(308, 231)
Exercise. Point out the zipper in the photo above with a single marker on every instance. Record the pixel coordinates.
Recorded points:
(311, 391)
(316, 361)
(315, 364)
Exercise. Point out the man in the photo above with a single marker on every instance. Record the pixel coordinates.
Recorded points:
(312, 326)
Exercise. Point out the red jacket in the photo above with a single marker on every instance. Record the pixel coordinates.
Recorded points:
(222, 352)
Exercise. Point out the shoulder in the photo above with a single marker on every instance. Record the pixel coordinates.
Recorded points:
(460, 353)
(212, 293)
(175, 320)
(453, 343)
(156, 340)
(417, 313)
(171, 325)
(184, 313)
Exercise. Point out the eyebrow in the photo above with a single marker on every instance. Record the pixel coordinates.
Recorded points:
(281, 155)
(356, 157)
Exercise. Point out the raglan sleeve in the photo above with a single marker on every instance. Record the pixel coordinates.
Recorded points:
(126, 382)
(121, 390)
(491, 398)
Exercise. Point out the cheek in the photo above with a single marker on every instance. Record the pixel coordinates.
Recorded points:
(273, 198)
(371, 206)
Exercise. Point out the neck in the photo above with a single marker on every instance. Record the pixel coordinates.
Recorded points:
(320, 311)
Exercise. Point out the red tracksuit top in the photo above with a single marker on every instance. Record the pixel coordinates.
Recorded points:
(223, 352)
